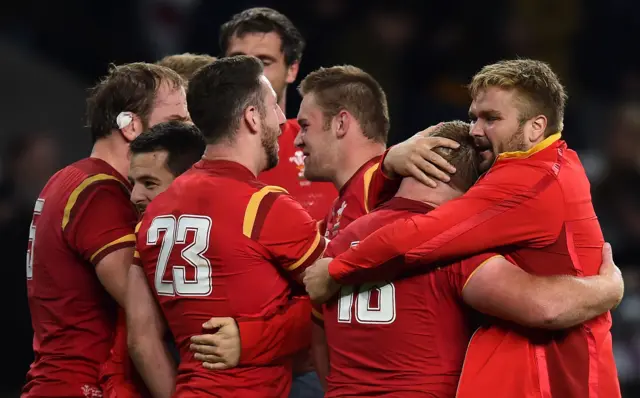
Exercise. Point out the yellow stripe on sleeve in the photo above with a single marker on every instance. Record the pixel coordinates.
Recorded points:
(138, 225)
(76, 193)
(317, 314)
(304, 258)
(251, 211)
(478, 267)
(126, 238)
(368, 175)
(136, 254)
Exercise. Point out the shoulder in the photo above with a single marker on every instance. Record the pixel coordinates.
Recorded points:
(267, 200)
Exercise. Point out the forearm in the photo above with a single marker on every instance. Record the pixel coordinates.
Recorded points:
(478, 221)
(566, 301)
(155, 365)
(265, 341)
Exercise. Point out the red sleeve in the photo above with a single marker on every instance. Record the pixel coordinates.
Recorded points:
(463, 271)
(280, 224)
(514, 204)
(265, 341)
(381, 188)
(99, 219)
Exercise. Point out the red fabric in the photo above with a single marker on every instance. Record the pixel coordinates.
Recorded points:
(119, 377)
(72, 315)
(267, 341)
(408, 340)
(315, 197)
(537, 207)
(242, 235)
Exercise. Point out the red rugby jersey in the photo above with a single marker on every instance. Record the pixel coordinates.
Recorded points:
(81, 215)
(405, 338)
(536, 206)
(216, 243)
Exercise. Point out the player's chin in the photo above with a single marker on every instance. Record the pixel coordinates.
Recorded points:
(486, 159)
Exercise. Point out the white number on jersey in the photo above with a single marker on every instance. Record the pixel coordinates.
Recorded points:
(375, 303)
(37, 209)
(177, 232)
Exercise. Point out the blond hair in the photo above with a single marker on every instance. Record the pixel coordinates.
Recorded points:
(187, 64)
(540, 90)
(354, 90)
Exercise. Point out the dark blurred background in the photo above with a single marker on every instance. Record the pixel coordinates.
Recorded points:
(422, 52)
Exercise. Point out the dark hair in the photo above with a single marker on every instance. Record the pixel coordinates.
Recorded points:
(182, 141)
(219, 93)
(126, 88)
(350, 88)
(264, 20)
(464, 158)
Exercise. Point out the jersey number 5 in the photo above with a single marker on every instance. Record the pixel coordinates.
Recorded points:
(375, 303)
(180, 281)
(37, 209)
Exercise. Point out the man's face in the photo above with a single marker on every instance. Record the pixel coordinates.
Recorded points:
(273, 119)
(267, 47)
(495, 124)
(316, 142)
(170, 104)
(149, 176)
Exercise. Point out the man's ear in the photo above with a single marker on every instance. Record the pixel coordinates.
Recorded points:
(252, 118)
(130, 125)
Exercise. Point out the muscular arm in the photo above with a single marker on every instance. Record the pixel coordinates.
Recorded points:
(502, 289)
(113, 273)
(462, 227)
(145, 336)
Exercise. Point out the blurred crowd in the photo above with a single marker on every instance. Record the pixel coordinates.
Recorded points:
(423, 52)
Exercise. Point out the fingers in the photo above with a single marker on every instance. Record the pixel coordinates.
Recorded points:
(215, 323)
(443, 142)
(216, 366)
(436, 159)
(420, 175)
(208, 358)
(427, 167)
(201, 349)
(206, 339)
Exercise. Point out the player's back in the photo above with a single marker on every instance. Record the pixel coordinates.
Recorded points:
(73, 317)
(205, 220)
(401, 339)
(573, 363)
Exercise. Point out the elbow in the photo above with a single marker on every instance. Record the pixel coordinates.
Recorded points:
(545, 315)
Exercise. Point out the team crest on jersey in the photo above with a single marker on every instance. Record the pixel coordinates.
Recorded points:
(91, 391)
(337, 216)
(298, 160)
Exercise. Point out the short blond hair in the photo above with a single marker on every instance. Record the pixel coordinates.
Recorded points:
(350, 88)
(187, 64)
(541, 92)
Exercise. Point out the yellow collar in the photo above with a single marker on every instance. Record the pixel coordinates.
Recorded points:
(535, 149)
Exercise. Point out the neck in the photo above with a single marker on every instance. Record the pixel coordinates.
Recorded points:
(350, 162)
(113, 150)
(233, 152)
(413, 189)
(282, 101)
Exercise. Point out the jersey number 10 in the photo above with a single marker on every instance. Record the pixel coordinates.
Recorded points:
(190, 274)
(375, 303)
